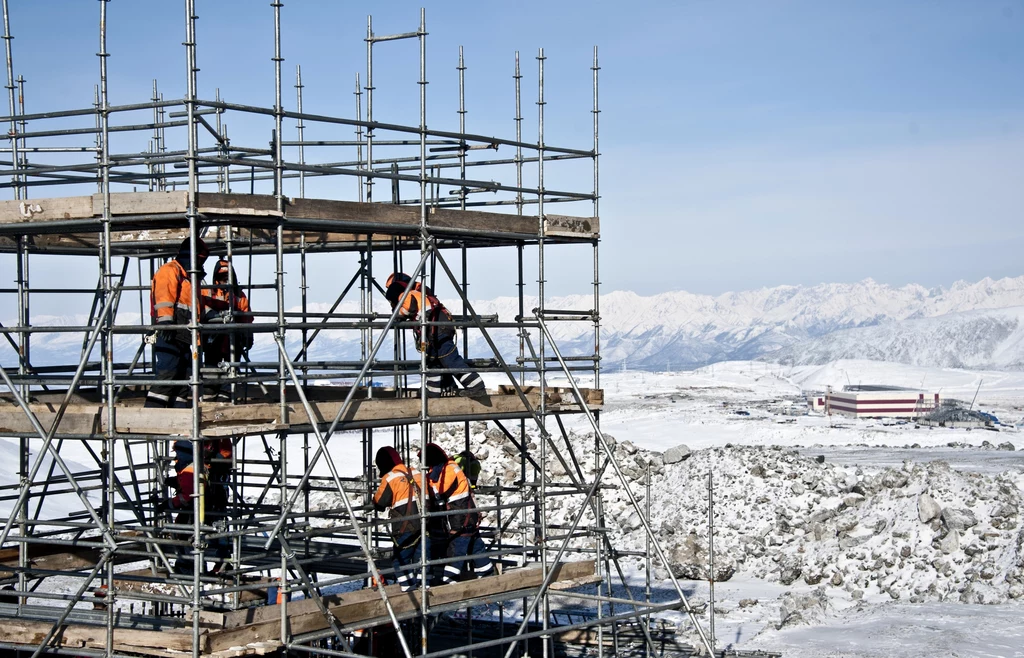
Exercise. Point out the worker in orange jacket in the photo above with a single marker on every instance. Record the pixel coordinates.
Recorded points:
(171, 308)
(439, 343)
(213, 485)
(451, 492)
(225, 303)
(399, 494)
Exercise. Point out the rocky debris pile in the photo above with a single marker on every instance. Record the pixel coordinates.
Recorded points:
(922, 532)
(796, 608)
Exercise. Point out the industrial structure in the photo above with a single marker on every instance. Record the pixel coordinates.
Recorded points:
(875, 401)
(86, 553)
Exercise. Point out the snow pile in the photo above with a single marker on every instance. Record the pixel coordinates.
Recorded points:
(921, 532)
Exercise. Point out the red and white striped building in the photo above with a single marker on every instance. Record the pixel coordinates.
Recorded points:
(877, 401)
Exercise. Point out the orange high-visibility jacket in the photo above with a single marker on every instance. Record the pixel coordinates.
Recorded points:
(218, 301)
(451, 491)
(435, 312)
(170, 291)
(399, 492)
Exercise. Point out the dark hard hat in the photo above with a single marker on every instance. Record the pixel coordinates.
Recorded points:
(387, 458)
(435, 455)
(201, 248)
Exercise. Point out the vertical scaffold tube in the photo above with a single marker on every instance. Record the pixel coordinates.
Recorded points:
(369, 109)
(303, 286)
(155, 149)
(107, 338)
(197, 444)
(597, 213)
(279, 286)
(15, 160)
(521, 289)
(359, 136)
(541, 352)
(424, 246)
(24, 338)
(461, 68)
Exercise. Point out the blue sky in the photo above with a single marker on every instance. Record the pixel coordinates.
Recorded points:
(744, 144)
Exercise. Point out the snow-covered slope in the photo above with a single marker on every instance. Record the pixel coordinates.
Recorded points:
(992, 339)
(677, 329)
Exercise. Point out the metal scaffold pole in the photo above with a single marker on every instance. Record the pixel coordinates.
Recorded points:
(198, 501)
(107, 338)
(541, 339)
(425, 248)
(597, 213)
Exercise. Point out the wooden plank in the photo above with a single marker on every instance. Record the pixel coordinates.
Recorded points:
(559, 394)
(142, 203)
(18, 631)
(409, 216)
(264, 205)
(263, 624)
(215, 203)
(571, 227)
(41, 210)
(224, 419)
(573, 583)
(62, 558)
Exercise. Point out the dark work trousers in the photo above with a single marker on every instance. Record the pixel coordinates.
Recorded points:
(468, 545)
(171, 361)
(217, 549)
(407, 560)
(446, 355)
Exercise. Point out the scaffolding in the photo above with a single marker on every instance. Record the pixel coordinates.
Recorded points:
(99, 576)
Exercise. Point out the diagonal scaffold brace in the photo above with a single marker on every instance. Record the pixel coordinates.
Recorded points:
(625, 486)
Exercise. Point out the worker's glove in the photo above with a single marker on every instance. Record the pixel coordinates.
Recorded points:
(150, 338)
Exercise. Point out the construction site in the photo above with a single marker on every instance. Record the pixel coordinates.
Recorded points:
(297, 560)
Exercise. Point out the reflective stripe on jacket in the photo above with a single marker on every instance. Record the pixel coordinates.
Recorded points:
(171, 289)
(451, 491)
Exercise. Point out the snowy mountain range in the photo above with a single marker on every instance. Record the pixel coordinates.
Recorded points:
(979, 340)
(974, 325)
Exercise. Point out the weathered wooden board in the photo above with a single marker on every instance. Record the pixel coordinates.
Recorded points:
(18, 631)
(571, 227)
(220, 419)
(61, 558)
(40, 211)
(263, 624)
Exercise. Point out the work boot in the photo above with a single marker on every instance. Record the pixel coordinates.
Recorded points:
(475, 392)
